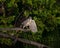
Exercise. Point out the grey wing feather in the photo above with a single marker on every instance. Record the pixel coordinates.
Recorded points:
(26, 21)
(33, 26)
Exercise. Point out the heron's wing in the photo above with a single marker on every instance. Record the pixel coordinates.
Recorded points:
(33, 26)
(26, 21)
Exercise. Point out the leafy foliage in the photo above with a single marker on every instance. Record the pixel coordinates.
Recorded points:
(46, 13)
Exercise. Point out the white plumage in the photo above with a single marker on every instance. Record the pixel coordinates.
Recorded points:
(31, 23)
(27, 22)
(33, 26)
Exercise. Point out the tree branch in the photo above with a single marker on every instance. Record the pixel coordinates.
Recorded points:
(17, 29)
(24, 40)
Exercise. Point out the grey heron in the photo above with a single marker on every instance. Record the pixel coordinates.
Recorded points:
(31, 23)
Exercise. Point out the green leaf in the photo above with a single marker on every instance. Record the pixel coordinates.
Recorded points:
(58, 20)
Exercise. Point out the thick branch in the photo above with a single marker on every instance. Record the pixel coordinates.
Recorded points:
(8, 29)
(23, 40)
